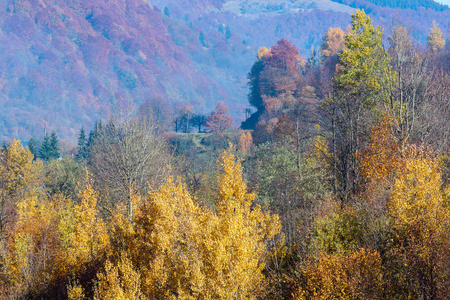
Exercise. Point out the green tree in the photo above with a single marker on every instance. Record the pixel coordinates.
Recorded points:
(201, 37)
(33, 146)
(45, 151)
(81, 149)
(362, 87)
(166, 11)
(54, 146)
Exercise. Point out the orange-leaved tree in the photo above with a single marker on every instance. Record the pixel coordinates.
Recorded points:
(357, 275)
(219, 120)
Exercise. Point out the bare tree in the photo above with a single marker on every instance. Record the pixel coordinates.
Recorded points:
(125, 158)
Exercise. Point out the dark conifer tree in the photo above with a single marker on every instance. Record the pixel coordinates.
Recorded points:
(33, 146)
(166, 11)
(45, 150)
(54, 146)
(81, 150)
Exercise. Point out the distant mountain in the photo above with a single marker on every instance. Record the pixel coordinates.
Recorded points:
(66, 63)
(404, 4)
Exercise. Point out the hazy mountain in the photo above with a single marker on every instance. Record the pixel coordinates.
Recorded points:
(66, 63)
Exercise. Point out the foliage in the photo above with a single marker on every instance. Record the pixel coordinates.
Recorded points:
(219, 120)
(181, 249)
(420, 220)
(338, 232)
(289, 183)
(357, 275)
(121, 282)
(85, 237)
(63, 176)
(20, 178)
(435, 41)
(363, 88)
(49, 148)
(411, 4)
(333, 42)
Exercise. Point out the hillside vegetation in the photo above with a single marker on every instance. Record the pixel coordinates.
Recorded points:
(64, 64)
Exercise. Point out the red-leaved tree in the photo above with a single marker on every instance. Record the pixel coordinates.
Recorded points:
(219, 120)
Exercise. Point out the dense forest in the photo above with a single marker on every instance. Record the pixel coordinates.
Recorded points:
(410, 4)
(336, 186)
(65, 64)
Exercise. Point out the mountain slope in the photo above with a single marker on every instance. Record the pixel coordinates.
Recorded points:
(66, 63)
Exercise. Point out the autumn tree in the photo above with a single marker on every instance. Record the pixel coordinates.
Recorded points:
(34, 248)
(333, 42)
(275, 77)
(119, 282)
(357, 275)
(219, 120)
(420, 222)
(175, 248)
(124, 158)
(245, 143)
(435, 40)
(84, 234)
(362, 84)
(20, 178)
(281, 71)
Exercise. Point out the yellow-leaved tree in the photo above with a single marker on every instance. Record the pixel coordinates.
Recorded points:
(243, 232)
(357, 275)
(121, 282)
(333, 42)
(420, 219)
(19, 179)
(435, 41)
(166, 244)
(83, 232)
(176, 249)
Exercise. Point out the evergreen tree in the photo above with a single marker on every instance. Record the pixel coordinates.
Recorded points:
(54, 146)
(45, 150)
(201, 37)
(166, 11)
(33, 146)
(81, 150)
(228, 33)
(98, 128)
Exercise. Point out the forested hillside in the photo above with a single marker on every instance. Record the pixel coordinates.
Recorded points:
(65, 64)
(335, 187)
(411, 4)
